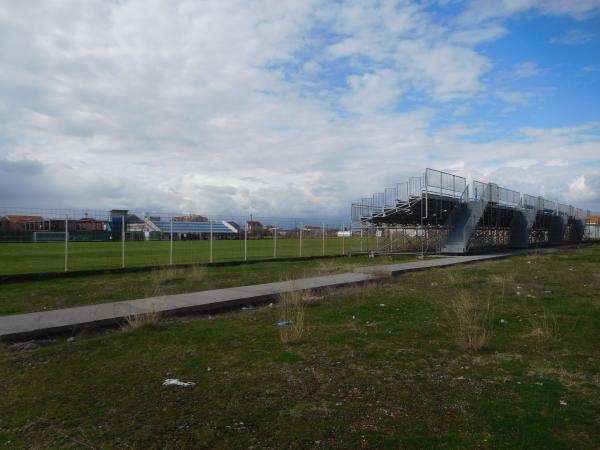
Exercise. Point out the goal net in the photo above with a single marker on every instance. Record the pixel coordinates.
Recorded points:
(48, 236)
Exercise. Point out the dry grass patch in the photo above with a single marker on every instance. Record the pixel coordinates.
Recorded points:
(291, 314)
(328, 267)
(163, 277)
(544, 326)
(135, 321)
(471, 319)
(506, 283)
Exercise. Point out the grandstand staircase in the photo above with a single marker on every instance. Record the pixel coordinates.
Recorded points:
(402, 207)
(151, 225)
(557, 229)
(521, 226)
(463, 222)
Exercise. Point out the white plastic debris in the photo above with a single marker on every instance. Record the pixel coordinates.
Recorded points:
(503, 321)
(382, 305)
(176, 382)
(563, 403)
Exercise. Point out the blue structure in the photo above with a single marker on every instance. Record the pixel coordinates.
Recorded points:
(118, 223)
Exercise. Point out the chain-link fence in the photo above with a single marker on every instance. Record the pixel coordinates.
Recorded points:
(53, 240)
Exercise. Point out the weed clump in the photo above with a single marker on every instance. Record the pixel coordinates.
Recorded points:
(472, 320)
(291, 315)
(543, 326)
(135, 321)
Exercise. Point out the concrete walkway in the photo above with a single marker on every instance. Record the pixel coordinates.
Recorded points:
(20, 326)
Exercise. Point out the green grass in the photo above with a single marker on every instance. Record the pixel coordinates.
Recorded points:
(22, 297)
(50, 256)
(363, 376)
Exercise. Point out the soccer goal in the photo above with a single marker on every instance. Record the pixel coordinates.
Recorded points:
(49, 236)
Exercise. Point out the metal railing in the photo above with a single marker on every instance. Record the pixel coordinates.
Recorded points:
(57, 240)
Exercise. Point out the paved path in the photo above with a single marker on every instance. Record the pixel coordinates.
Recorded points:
(20, 326)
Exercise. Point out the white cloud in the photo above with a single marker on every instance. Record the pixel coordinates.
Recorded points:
(213, 106)
(586, 187)
(526, 69)
(574, 37)
(482, 10)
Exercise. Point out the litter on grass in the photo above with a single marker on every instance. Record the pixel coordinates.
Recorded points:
(382, 305)
(283, 323)
(177, 382)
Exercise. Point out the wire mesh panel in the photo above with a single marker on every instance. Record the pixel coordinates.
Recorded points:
(508, 197)
(402, 191)
(378, 202)
(548, 205)
(494, 193)
(531, 202)
(563, 209)
(480, 191)
(415, 186)
(367, 206)
(390, 197)
(444, 183)
(355, 213)
(44, 240)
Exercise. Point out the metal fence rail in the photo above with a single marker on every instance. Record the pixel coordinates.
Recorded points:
(53, 240)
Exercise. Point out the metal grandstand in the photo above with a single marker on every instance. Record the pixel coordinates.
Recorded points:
(441, 212)
(181, 228)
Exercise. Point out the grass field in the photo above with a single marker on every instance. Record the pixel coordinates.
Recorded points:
(22, 297)
(19, 258)
(376, 368)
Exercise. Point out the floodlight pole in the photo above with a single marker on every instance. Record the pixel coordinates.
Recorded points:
(323, 233)
(123, 241)
(66, 243)
(343, 239)
(171, 244)
(246, 241)
(210, 258)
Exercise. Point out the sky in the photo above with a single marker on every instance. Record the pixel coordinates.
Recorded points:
(293, 108)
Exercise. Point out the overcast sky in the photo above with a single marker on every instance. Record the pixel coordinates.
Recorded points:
(293, 108)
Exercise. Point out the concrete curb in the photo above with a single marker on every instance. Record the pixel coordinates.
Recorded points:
(69, 320)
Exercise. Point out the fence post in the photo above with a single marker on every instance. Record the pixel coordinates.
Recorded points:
(171, 243)
(323, 233)
(275, 243)
(210, 257)
(122, 241)
(246, 241)
(361, 238)
(301, 230)
(66, 243)
(343, 239)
